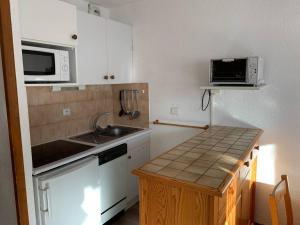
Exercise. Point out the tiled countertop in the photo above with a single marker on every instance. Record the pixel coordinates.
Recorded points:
(207, 160)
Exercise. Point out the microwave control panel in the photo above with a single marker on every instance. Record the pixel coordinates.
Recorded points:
(255, 71)
(64, 65)
(252, 70)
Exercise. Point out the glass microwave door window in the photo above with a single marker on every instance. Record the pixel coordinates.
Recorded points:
(38, 63)
(229, 71)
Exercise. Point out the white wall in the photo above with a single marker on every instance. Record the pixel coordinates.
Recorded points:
(174, 41)
(8, 212)
(83, 6)
(174, 135)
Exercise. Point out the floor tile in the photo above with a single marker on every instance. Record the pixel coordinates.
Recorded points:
(129, 217)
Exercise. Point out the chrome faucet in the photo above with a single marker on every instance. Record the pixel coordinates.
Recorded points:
(98, 119)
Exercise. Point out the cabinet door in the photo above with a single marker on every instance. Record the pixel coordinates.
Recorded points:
(246, 203)
(231, 202)
(91, 49)
(136, 158)
(49, 21)
(73, 188)
(253, 188)
(119, 52)
(238, 220)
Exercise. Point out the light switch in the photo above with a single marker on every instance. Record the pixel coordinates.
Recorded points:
(174, 111)
(67, 112)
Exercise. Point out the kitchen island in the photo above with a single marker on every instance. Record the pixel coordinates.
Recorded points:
(207, 180)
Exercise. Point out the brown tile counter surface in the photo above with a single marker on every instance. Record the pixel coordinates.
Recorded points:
(208, 160)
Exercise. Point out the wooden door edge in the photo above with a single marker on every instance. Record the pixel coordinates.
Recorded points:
(13, 119)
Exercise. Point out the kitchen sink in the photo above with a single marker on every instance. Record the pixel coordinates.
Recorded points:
(101, 136)
(114, 131)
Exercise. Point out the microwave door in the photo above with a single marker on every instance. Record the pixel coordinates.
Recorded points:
(229, 71)
(41, 65)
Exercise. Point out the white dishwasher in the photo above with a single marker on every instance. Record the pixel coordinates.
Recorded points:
(113, 175)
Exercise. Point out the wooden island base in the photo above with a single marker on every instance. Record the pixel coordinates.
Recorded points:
(166, 203)
(166, 200)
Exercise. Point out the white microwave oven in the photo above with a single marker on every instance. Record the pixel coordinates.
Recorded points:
(45, 64)
(237, 71)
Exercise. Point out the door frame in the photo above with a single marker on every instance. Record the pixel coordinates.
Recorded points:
(13, 117)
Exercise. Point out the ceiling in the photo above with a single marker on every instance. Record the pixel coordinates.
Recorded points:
(112, 3)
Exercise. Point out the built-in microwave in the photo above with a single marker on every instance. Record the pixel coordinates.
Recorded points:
(237, 71)
(45, 64)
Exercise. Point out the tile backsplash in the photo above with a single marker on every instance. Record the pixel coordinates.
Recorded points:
(45, 107)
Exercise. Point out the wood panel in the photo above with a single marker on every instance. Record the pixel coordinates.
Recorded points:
(10, 84)
(164, 204)
(253, 189)
(246, 198)
(165, 200)
(236, 207)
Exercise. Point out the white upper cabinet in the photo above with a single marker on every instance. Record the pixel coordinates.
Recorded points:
(119, 40)
(104, 51)
(48, 21)
(91, 49)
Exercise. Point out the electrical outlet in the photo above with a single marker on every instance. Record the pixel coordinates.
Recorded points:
(67, 112)
(174, 111)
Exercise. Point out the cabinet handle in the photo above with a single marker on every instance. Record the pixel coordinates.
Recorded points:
(251, 155)
(45, 204)
(129, 157)
(106, 77)
(112, 77)
(247, 163)
(74, 36)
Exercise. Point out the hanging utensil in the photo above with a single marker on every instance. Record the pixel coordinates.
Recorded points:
(136, 113)
(131, 104)
(126, 102)
(122, 111)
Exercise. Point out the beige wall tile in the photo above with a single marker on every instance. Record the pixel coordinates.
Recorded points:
(47, 122)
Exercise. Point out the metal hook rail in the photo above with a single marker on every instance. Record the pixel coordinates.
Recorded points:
(157, 122)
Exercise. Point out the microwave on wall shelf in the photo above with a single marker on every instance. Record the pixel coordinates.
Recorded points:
(246, 71)
(45, 65)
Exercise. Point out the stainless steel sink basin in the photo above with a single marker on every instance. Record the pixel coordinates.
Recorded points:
(113, 131)
(101, 136)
